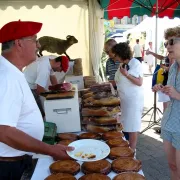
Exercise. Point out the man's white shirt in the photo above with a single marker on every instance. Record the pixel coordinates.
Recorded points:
(17, 106)
(137, 51)
(39, 72)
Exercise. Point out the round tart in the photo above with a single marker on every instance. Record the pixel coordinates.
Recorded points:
(61, 176)
(112, 135)
(65, 166)
(122, 152)
(126, 165)
(65, 142)
(94, 176)
(65, 136)
(101, 166)
(89, 136)
(119, 142)
(129, 176)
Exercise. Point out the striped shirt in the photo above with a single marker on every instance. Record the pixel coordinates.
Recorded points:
(171, 118)
(111, 68)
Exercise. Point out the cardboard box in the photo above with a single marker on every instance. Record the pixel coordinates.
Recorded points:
(76, 80)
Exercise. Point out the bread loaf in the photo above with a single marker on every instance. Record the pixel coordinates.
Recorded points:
(99, 120)
(109, 101)
(102, 129)
(100, 111)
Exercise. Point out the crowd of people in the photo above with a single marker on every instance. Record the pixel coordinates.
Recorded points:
(129, 80)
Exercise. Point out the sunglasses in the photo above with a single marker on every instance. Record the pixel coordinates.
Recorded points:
(171, 42)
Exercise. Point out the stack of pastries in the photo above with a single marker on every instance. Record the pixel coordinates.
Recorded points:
(100, 108)
(120, 161)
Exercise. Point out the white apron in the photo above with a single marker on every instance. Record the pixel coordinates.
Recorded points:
(131, 97)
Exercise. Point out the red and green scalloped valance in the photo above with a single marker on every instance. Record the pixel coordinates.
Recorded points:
(121, 8)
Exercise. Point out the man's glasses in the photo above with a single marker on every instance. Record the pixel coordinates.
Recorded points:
(32, 39)
(171, 42)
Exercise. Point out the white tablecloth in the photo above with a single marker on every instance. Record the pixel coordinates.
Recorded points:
(42, 169)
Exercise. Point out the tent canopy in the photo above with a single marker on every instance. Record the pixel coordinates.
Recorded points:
(121, 8)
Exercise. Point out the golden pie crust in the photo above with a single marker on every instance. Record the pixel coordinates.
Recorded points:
(129, 176)
(65, 142)
(126, 165)
(112, 135)
(101, 166)
(65, 166)
(94, 176)
(65, 136)
(118, 142)
(121, 152)
(61, 176)
(89, 135)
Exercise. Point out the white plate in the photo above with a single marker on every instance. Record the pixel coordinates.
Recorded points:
(87, 147)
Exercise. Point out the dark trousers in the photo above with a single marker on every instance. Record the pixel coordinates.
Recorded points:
(126, 134)
(14, 170)
(38, 101)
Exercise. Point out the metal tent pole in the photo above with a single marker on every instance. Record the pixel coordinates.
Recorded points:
(154, 109)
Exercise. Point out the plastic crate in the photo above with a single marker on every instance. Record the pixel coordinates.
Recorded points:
(50, 131)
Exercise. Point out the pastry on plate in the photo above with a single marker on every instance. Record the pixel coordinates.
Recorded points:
(101, 166)
(126, 165)
(65, 136)
(118, 142)
(89, 135)
(61, 176)
(121, 152)
(112, 135)
(129, 176)
(94, 176)
(65, 166)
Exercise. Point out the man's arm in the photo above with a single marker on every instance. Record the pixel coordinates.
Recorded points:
(155, 55)
(40, 89)
(22, 141)
(53, 80)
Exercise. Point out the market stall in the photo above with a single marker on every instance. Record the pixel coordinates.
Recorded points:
(98, 108)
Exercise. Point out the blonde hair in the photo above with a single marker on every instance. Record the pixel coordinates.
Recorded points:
(172, 32)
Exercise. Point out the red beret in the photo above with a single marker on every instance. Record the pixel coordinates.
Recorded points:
(19, 29)
(64, 63)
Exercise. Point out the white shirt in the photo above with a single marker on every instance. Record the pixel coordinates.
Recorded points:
(17, 106)
(124, 85)
(137, 51)
(39, 72)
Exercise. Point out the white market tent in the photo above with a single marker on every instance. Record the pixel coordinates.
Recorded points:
(148, 26)
(80, 18)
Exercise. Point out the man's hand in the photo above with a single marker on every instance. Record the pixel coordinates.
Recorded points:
(157, 87)
(171, 92)
(124, 71)
(59, 152)
(148, 52)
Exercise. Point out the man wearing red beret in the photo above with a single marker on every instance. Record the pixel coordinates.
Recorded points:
(41, 72)
(21, 124)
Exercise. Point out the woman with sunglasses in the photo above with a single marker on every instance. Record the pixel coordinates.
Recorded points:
(170, 125)
(129, 79)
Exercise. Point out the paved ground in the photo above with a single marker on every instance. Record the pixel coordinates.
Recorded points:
(149, 147)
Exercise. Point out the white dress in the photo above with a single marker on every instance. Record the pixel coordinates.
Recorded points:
(150, 59)
(131, 97)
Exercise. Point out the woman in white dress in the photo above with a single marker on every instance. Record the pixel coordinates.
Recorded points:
(129, 79)
(149, 58)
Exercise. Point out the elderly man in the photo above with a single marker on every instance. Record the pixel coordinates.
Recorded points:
(21, 124)
(41, 72)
